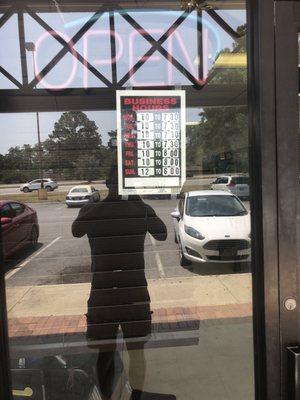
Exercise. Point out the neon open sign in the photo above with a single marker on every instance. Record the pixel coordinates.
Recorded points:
(180, 55)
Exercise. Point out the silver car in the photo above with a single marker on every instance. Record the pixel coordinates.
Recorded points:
(81, 195)
(48, 184)
(239, 185)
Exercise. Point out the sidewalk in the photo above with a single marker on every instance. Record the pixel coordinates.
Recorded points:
(60, 309)
(201, 341)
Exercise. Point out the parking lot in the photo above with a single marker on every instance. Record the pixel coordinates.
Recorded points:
(61, 258)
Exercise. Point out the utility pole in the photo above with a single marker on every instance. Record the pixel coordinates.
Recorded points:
(30, 47)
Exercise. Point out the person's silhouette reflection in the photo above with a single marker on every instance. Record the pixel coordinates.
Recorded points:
(119, 296)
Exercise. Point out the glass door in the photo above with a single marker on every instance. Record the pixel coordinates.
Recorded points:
(133, 279)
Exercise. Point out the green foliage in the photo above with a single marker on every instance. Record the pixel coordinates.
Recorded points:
(17, 175)
(19, 164)
(74, 145)
(221, 139)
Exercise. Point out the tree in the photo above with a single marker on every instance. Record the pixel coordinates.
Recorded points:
(19, 164)
(222, 132)
(74, 147)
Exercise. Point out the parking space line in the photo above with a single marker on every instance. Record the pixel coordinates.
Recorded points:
(159, 263)
(14, 271)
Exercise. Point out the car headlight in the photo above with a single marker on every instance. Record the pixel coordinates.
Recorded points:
(193, 232)
(68, 198)
(87, 197)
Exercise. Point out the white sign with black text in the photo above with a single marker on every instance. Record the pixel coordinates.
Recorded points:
(151, 141)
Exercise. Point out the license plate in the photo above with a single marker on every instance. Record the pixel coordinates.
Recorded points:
(228, 254)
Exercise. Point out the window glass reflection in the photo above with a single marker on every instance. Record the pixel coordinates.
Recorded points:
(127, 296)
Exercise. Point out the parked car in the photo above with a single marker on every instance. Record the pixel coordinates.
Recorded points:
(236, 184)
(20, 226)
(48, 184)
(212, 226)
(83, 194)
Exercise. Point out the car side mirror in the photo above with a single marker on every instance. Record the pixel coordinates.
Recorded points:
(176, 214)
(6, 220)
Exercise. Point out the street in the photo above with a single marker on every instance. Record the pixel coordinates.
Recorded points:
(61, 258)
(14, 189)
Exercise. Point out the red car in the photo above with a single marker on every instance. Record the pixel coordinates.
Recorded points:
(20, 226)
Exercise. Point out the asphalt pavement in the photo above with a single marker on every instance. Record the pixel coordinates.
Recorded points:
(61, 258)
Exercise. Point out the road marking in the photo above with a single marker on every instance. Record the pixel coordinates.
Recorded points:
(160, 266)
(14, 271)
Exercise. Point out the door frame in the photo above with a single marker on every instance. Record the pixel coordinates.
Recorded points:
(287, 27)
(264, 218)
(274, 122)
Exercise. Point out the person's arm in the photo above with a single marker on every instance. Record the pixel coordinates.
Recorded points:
(80, 226)
(156, 227)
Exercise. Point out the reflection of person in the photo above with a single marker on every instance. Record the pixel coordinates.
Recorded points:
(119, 296)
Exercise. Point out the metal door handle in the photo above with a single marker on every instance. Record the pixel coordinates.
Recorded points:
(27, 392)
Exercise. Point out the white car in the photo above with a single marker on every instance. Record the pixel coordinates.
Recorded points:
(82, 194)
(48, 184)
(236, 184)
(212, 226)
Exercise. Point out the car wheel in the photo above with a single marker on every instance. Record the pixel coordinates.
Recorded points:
(26, 189)
(48, 188)
(34, 237)
(184, 262)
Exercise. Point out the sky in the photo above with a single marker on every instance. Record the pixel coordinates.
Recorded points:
(19, 129)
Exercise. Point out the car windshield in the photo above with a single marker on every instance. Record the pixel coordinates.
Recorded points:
(79, 190)
(214, 206)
